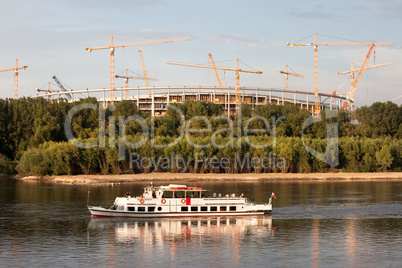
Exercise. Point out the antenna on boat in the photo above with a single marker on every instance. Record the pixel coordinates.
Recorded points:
(88, 198)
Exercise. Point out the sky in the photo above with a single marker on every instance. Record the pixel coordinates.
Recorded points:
(50, 37)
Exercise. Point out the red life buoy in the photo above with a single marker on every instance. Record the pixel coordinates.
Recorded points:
(142, 201)
(183, 201)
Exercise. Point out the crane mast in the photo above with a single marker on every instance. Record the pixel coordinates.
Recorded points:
(15, 69)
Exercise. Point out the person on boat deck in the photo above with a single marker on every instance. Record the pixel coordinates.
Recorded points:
(192, 195)
(242, 195)
(128, 195)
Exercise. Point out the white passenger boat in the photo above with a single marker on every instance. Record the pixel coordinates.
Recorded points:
(180, 201)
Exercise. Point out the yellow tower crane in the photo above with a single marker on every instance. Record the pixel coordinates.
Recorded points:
(113, 46)
(287, 73)
(315, 44)
(15, 69)
(213, 66)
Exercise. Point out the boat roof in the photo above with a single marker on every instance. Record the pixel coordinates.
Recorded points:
(177, 187)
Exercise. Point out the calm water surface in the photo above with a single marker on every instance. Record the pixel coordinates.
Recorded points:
(331, 224)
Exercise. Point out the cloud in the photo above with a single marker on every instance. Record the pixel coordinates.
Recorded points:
(228, 39)
(317, 15)
(383, 9)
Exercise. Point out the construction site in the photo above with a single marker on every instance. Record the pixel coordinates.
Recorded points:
(154, 100)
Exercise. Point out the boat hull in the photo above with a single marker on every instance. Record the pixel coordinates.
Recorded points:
(103, 212)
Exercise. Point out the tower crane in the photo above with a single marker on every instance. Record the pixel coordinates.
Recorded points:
(287, 73)
(47, 90)
(213, 66)
(15, 69)
(126, 77)
(315, 44)
(359, 75)
(352, 75)
(113, 46)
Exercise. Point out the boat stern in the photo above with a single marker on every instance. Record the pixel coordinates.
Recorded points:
(266, 208)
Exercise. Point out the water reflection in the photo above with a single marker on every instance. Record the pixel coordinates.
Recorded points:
(161, 231)
(173, 234)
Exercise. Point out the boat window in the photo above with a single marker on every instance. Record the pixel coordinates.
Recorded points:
(159, 208)
(141, 208)
(151, 208)
(204, 208)
(214, 209)
(131, 208)
(194, 208)
(232, 208)
(222, 208)
(167, 194)
(184, 208)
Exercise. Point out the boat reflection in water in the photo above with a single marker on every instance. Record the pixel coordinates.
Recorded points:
(176, 230)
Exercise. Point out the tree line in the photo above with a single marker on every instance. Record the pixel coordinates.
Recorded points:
(268, 138)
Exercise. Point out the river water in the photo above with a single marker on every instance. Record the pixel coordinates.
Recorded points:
(314, 224)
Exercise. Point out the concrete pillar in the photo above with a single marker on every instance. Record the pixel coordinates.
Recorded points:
(153, 105)
(168, 98)
(270, 96)
(228, 102)
(138, 99)
(256, 97)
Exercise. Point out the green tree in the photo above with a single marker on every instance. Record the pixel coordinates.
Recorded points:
(384, 157)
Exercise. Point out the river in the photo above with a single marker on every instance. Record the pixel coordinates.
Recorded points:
(314, 224)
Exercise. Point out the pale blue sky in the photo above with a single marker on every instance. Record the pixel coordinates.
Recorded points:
(50, 36)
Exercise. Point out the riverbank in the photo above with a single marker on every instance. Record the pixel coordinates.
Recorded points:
(194, 177)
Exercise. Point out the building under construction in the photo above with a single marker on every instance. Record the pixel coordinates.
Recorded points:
(154, 100)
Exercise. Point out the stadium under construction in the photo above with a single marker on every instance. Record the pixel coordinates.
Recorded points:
(154, 100)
